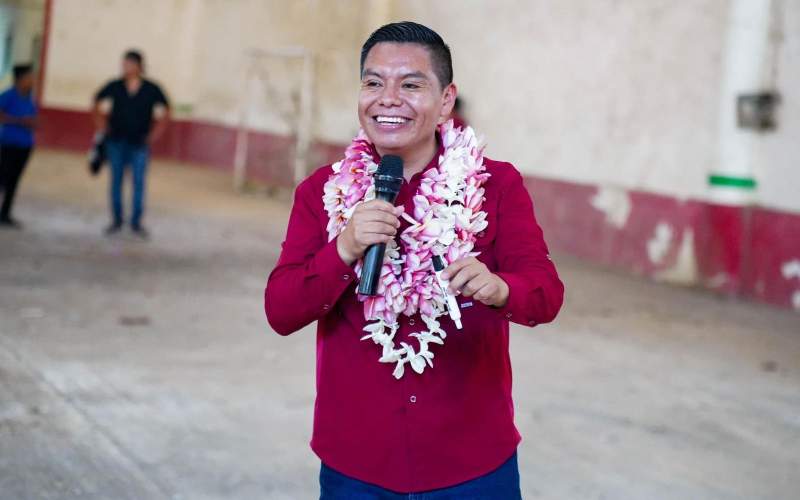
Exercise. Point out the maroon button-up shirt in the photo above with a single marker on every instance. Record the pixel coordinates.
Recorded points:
(455, 421)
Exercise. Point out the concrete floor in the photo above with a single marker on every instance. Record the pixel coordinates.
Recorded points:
(146, 370)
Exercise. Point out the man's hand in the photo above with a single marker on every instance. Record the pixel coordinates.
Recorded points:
(375, 221)
(162, 115)
(472, 278)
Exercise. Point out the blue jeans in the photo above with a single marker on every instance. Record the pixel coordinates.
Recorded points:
(120, 155)
(501, 484)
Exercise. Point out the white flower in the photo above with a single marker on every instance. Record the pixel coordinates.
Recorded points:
(434, 327)
(399, 369)
(425, 337)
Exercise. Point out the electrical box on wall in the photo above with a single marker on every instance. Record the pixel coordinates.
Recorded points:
(757, 111)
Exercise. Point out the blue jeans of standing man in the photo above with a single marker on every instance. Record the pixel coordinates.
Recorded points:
(501, 484)
(121, 154)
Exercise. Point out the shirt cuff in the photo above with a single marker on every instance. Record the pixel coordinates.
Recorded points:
(517, 306)
(335, 274)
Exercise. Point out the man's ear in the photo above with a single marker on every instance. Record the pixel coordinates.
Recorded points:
(448, 101)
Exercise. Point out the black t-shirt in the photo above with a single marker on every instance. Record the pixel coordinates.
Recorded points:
(131, 115)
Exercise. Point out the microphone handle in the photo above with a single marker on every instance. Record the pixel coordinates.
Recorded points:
(371, 270)
(373, 259)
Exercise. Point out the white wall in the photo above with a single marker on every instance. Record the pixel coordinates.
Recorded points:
(88, 38)
(331, 29)
(622, 93)
(596, 91)
(22, 19)
(778, 168)
(197, 50)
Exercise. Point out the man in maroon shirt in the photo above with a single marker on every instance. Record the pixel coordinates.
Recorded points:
(448, 431)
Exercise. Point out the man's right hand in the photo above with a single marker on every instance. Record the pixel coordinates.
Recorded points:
(375, 221)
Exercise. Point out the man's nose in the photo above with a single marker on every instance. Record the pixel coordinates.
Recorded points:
(390, 96)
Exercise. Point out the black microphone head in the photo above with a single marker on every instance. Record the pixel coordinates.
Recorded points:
(391, 166)
(389, 178)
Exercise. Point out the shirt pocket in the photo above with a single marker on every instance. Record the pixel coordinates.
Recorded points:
(481, 327)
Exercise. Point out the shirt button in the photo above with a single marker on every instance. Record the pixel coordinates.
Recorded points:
(508, 315)
(325, 307)
(413, 399)
(411, 322)
(532, 323)
(346, 277)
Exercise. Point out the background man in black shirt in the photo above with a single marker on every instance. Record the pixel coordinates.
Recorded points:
(133, 113)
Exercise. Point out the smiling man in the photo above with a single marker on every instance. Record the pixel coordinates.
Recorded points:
(388, 421)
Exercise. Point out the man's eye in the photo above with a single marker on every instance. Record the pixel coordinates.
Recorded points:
(411, 86)
(371, 83)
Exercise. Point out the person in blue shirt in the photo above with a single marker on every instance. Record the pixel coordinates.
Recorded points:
(18, 119)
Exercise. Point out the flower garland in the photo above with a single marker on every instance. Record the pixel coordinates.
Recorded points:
(446, 219)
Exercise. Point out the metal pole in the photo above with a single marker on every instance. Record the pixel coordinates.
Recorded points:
(240, 152)
(304, 122)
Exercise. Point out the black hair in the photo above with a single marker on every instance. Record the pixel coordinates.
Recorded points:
(135, 56)
(20, 70)
(411, 32)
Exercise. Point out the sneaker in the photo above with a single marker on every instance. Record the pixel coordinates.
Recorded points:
(140, 232)
(9, 223)
(112, 229)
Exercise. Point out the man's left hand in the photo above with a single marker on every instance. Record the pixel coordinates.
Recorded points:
(472, 278)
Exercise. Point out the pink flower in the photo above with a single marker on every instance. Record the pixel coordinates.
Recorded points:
(426, 308)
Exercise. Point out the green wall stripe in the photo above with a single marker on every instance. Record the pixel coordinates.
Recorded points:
(735, 182)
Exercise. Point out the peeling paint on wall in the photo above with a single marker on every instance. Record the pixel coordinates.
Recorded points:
(615, 203)
(684, 271)
(660, 243)
(791, 269)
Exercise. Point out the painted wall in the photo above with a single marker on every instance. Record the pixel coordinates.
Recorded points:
(778, 166)
(329, 29)
(619, 94)
(601, 92)
(198, 50)
(88, 37)
(618, 111)
(20, 34)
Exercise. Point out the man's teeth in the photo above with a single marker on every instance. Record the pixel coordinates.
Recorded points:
(390, 119)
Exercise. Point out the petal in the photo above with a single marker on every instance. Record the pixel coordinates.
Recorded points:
(398, 370)
(418, 364)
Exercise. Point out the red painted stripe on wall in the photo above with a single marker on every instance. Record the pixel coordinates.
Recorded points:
(193, 141)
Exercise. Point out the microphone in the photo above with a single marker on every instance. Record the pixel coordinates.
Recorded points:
(452, 305)
(388, 179)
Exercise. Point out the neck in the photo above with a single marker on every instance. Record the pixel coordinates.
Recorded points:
(22, 90)
(132, 78)
(416, 160)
